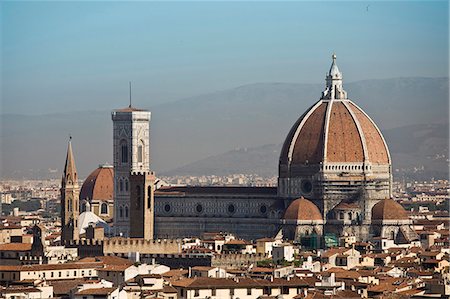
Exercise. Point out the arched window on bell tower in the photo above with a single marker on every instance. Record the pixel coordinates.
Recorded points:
(123, 151)
(138, 196)
(104, 208)
(140, 152)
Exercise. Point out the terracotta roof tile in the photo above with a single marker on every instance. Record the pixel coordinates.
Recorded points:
(302, 209)
(97, 291)
(99, 185)
(344, 140)
(388, 209)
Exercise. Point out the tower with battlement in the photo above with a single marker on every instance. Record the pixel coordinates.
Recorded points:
(142, 205)
(131, 154)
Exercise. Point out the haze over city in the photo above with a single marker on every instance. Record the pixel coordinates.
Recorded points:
(72, 62)
(252, 150)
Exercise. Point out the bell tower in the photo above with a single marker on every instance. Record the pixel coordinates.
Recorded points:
(142, 205)
(131, 154)
(70, 193)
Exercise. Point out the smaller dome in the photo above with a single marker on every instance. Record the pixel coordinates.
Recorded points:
(302, 209)
(99, 185)
(388, 209)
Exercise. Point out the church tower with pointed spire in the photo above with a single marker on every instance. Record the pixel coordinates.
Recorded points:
(70, 192)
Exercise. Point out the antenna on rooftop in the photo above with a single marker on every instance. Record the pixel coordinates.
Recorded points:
(130, 95)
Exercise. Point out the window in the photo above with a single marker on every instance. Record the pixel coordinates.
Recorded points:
(167, 208)
(75, 273)
(263, 209)
(199, 208)
(284, 290)
(213, 292)
(249, 291)
(120, 212)
(82, 272)
(59, 274)
(68, 273)
(231, 208)
(140, 153)
(124, 151)
(126, 212)
(306, 186)
(231, 292)
(138, 196)
(126, 185)
(104, 208)
(90, 272)
(149, 197)
(51, 274)
(196, 292)
(120, 185)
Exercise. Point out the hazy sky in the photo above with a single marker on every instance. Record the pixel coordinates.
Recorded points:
(80, 55)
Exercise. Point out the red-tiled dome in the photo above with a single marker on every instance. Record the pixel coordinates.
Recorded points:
(388, 209)
(349, 135)
(333, 130)
(99, 185)
(302, 209)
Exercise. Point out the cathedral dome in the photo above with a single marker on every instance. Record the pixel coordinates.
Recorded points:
(99, 185)
(388, 209)
(333, 130)
(302, 209)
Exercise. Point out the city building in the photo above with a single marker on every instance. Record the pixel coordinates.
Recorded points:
(335, 179)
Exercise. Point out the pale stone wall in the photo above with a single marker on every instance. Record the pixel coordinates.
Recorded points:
(247, 228)
(127, 245)
(236, 260)
(34, 272)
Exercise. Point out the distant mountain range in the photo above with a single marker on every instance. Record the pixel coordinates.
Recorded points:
(256, 117)
(418, 151)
